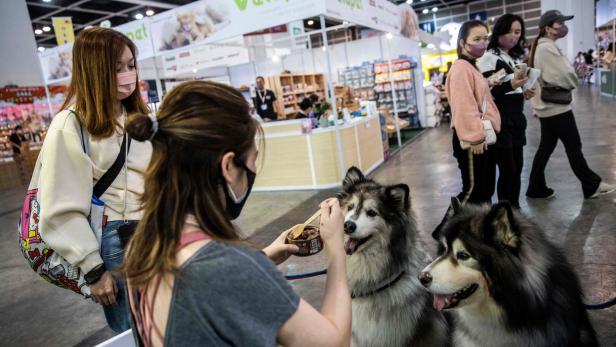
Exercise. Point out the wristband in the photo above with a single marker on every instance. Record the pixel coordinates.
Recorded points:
(95, 274)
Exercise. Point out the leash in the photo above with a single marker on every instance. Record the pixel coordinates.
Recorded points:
(602, 305)
(305, 275)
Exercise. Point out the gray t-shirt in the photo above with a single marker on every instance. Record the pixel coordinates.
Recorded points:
(228, 295)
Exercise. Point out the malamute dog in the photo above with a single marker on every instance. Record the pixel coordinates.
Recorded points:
(390, 308)
(506, 284)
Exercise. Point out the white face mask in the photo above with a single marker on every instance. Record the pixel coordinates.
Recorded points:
(127, 82)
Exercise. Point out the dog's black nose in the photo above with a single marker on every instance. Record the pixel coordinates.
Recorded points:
(349, 227)
(425, 278)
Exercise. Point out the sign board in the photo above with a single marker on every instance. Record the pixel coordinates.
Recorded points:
(214, 20)
(481, 15)
(223, 53)
(63, 28)
(429, 27)
(57, 63)
(139, 32)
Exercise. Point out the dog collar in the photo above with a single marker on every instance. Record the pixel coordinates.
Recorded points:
(380, 289)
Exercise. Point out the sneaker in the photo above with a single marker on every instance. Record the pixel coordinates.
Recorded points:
(548, 193)
(604, 188)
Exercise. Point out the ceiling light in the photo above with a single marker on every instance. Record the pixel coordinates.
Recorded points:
(434, 9)
(89, 27)
(275, 58)
(425, 10)
(46, 28)
(409, 1)
(41, 49)
(139, 15)
(324, 48)
(149, 12)
(389, 36)
(194, 70)
(46, 0)
(38, 31)
(310, 22)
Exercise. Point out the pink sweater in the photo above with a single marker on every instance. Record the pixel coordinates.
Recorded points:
(466, 88)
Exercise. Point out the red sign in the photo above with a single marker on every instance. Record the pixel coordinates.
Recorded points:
(22, 95)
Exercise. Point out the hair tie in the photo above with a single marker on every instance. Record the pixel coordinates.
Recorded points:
(154, 125)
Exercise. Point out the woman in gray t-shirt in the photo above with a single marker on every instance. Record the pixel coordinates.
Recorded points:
(191, 280)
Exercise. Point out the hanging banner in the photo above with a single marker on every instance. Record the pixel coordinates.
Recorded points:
(22, 95)
(377, 14)
(63, 28)
(139, 32)
(213, 20)
(57, 63)
(222, 53)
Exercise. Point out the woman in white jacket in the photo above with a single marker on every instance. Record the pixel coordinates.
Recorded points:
(557, 120)
(83, 141)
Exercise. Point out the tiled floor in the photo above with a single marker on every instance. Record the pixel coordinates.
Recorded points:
(35, 313)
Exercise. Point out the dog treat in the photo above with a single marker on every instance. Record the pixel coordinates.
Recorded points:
(307, 234)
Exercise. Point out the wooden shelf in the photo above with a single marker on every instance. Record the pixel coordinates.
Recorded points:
(277, 82)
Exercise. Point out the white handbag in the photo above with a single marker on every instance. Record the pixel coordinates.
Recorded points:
(488, 129)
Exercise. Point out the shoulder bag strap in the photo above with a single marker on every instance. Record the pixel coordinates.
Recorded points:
(105, 181)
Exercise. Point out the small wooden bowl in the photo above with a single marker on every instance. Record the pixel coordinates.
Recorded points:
(308, 247)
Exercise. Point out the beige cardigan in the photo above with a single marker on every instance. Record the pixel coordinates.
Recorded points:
(555, 70)
(65, 178)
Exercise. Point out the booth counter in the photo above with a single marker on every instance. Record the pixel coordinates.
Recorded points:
(295, 161)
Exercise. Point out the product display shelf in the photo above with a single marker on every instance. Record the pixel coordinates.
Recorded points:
(372, 81)
(291, 89)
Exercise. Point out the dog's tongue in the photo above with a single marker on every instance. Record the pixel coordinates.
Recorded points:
(439, 301)
(350, 245)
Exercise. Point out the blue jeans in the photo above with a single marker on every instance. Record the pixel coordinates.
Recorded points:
(118, 316)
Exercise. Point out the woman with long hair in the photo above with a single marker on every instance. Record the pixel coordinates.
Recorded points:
(192, 281)
(82, 143)
(470, 100)
(505, 50)
(555, 115)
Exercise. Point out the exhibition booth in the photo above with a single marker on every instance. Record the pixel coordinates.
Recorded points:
(359, 59)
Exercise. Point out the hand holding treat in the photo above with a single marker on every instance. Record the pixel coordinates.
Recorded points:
(279, 251)
(307, 237)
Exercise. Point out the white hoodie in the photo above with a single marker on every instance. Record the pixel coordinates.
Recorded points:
(65, 178)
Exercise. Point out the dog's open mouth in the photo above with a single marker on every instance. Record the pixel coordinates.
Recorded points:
(443, 302)
(351, 245)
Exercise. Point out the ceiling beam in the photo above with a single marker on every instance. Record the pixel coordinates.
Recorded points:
(77, 9)
(81, 26)
(61, 9)
(151, 3)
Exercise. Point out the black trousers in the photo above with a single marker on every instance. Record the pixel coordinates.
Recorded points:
(481, 187)
(561, 127)
(509, 161)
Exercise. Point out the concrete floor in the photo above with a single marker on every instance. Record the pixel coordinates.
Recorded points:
(35, 313)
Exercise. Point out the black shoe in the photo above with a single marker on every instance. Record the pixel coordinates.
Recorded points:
(548, 193)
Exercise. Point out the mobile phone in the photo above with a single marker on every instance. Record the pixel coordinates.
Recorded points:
(520, 71)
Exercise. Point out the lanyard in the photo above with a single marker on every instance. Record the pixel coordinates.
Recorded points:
(262, 96)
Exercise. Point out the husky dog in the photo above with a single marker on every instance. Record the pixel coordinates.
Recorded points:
(390, 308)
(506, 284)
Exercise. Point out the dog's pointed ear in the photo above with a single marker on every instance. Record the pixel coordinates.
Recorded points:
(501, 222)
(353, 176)
(399, 195)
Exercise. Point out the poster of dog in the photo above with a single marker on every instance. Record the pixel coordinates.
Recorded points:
(190, 24)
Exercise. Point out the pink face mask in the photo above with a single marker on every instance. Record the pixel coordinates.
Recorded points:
(477, 49)
(508, 41)
(127, 82)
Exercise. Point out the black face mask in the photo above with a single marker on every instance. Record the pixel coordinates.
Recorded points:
(235, 204)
